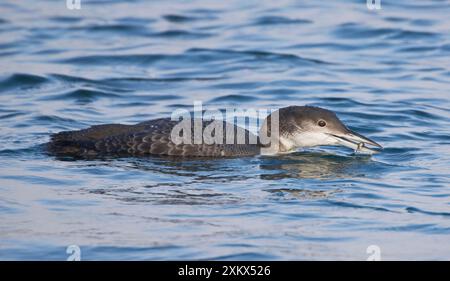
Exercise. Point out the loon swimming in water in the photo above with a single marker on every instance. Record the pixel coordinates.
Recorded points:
(299, 126)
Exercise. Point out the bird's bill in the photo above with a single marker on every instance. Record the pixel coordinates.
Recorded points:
(356, 142)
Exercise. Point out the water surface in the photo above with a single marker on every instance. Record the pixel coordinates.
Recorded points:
(385, 73)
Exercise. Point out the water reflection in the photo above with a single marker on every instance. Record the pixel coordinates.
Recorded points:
(316, 165)
(176, 181)
(302, 165)
(307, 165)
(303, 193)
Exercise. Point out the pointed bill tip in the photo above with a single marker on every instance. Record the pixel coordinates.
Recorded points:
(356, 141)
(354, 136)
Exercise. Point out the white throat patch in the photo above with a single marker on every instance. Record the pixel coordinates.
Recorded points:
(307, 139)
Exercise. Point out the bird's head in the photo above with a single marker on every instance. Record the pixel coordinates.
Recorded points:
(307, 126)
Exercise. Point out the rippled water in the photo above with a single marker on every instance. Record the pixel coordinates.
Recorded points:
(386, 73)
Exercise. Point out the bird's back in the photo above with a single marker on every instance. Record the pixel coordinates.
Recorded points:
(147, 138)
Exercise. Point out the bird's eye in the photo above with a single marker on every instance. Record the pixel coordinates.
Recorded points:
(322, 123)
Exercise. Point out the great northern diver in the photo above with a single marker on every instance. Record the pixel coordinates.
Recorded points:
(299, 126)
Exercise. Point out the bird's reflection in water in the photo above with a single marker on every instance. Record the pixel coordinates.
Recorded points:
(214, 170)
(174, 180)
(307, 165)
(302, 193)
(315, 165)
(312, 166)
(166, 180)
(176, 166)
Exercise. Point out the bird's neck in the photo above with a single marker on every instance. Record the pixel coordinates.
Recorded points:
(273, 141)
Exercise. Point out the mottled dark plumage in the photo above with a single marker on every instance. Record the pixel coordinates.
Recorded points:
(146, 138)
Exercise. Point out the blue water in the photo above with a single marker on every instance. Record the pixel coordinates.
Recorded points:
(385, 73)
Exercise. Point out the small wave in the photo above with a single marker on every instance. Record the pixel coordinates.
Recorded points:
(358, 206)
(82, 95)
(13, 114)
(191, 57)
(178, 18)
(428, 228)
(417, 49)
(244, 256)
(412, 34)
(240, 86)
(341, 101)
(359, 31)
(432, 135)
(182, 34)
(116, 29)
(141, 59)
(278, 20)
(159, 79)
(258, 55)
(333, 46)
(22, 81)
(417, 210)
(445, 48)
(233, 99)
(40, 180)
(423, 22)
(65, 19)
(52, 119)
